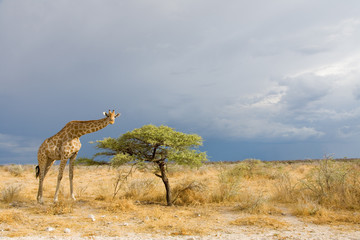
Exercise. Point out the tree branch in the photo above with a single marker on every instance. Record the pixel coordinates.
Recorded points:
(154, 152)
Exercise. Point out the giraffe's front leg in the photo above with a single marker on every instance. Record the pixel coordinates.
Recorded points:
(61, 172)
(71, 174)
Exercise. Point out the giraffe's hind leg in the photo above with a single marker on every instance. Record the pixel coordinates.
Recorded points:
(42, 169)
(61, 172)
(40, 172)
(71, 174)
(49, 163)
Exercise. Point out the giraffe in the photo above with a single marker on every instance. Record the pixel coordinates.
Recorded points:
(65, 145)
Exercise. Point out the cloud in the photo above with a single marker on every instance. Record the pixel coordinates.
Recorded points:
(229, 70)
(310, 104)
(349, 131)
(356, 92)
(305, 90)
(17, 144)
(324, 97)
(18, 149)
(261, 118)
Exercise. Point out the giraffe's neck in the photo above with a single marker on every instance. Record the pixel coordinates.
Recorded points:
(79, 128)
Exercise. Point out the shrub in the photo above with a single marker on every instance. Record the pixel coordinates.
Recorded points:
(285, 190)
(228, 187)
(251, 203)
(305, 207)
(334, 184)
(80, 190)
(16, 170)
(141, 190)
(89, 162)
(189, 192)
(255, 203)
(11, 193)
(120, 205)
(248, 168)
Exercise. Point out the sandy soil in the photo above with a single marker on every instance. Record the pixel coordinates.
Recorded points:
(295, 229)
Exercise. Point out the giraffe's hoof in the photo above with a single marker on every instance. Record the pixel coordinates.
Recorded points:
(40, 201)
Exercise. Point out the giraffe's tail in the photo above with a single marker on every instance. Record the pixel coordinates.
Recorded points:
(37, 170)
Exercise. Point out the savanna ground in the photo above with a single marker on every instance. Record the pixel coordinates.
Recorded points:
(245, 200)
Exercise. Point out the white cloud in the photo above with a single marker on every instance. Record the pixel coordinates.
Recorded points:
(261, 119)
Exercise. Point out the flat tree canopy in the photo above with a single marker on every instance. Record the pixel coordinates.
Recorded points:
(158, 145)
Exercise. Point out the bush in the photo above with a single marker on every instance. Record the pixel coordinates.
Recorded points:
(89, 162)
(248, 168)
(141, 190)
(334, 184)
(11, 193)
(286, 191)
(16, 170)
(189, 192)
(228, 187)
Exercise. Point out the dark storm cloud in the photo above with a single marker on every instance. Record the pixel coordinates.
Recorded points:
(241, 70)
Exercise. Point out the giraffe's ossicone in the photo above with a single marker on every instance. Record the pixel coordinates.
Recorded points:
(65, 145)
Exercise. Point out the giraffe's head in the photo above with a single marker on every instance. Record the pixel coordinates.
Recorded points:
(111, 116)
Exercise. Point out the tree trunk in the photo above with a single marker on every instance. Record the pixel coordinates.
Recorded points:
(166, 182)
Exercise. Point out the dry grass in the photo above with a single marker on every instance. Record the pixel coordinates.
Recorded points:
(13, 216)
(252, 192)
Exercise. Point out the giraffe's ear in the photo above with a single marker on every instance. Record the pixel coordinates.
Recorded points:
(117, 115)
(105, 114)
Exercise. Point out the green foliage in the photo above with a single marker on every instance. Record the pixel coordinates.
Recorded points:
(120, 159)
(153, 144)
(158, 145)
(89, 162)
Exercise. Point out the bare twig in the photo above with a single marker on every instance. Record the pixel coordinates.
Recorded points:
(120, 179)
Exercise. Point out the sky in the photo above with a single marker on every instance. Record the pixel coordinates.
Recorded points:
(271, 80)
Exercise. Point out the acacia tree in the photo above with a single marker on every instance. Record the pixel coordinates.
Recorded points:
(157, 145)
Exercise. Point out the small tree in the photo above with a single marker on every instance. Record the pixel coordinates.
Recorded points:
(157, 145)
